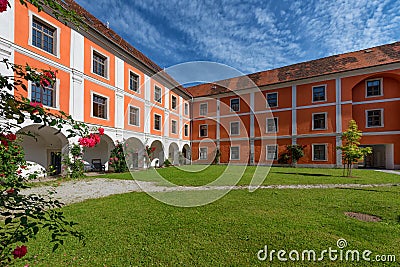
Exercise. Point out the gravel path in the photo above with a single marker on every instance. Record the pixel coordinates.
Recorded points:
(77, 191)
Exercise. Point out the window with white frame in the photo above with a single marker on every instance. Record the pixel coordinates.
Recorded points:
(374, 118)
(99, 64)
(133, 81)
(186, 130)
(203, 153)
(186, 109)
(157, 94)
(203, 130)
(272, 125)
(235, 128)
(374, 87)
(157, 122)
(272, 152)
(45, 95)
(44, 36)
(203, 109)
(133, 116)
(319, 152)
(100, 104)
(235, 152)
(173, 126)
(272, 99)
(235, 104)
(173, 102)
(319, 93)
(319, 121)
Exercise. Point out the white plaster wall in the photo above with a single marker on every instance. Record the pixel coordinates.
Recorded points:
(7, 19)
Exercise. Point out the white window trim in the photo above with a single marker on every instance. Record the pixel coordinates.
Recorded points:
(366, 87)
(161, 94)
(176, 126)
(57, 83)
(326, 152)
(325, 91)
(201, 109)
(230, 104)
(326, 121)
(200, 148)
(92, 49)
(230, 128)
(176, 103)
(91, 106)
(129, 117)
(276, 152)
(154, 122)
(58, 34)
(129, 83)
(184, 133)
(382, 118)
(277, 99)
(276, 126)
(184, 109)
(200, 130)
(230, 152)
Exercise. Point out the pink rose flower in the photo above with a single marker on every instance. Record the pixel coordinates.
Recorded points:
(19, 252)
(3, 5)
(101, 131)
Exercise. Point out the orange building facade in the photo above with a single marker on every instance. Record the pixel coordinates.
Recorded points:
(102, 81)
(105, 82)
(251, 119)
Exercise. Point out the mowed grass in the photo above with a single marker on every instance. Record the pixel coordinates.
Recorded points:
(136, 230)
(197, 175)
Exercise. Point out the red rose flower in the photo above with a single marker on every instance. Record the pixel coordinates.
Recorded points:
(10, 191)
(101, 131)
(19, 252)
(11, 137)
(3, 5)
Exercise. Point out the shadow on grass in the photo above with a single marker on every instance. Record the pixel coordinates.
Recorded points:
(307, 174)
(371, 190)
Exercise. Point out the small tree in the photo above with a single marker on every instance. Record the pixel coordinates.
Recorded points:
(351, 150)
(292, 155)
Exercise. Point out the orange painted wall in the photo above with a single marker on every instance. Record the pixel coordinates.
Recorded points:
(212, 108)
(391, 122)
(304, 123)
(95, 88)
(138, 104)
(260, 149)
(22, 33)
(225, 104)
(89, 45)
(211, 129)
(284, 123)
(284, 98)
(178, 126)
(62, 77)
(304, 93)
(244, 122)
(156, 110)
(127, 69)
(307, 159)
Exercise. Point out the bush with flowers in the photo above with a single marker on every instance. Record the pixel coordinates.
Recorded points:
(23, 216)
(117, 158)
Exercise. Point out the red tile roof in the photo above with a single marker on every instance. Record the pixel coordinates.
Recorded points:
(376, 56)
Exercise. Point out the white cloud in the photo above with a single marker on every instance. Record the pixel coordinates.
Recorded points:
(250, 35)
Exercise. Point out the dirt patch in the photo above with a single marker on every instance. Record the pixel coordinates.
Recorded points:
(363, 217)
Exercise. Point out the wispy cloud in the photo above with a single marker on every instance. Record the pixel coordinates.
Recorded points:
(251, 35)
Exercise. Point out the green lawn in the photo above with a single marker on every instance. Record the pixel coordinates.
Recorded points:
(136, 230)
(277, 175)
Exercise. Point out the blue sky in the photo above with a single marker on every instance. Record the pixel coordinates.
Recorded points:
(249, 35)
